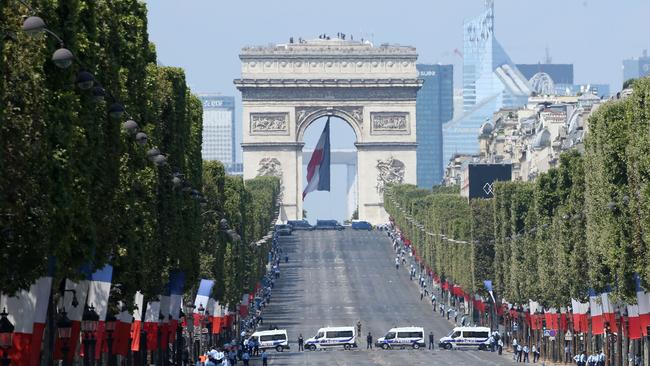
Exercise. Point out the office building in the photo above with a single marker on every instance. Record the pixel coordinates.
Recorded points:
(491, 81)
(559, 73)
(434, 106)
(637, 67)
(218, 128)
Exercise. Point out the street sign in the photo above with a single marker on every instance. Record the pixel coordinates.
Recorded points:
(549, 333)
(568, 336)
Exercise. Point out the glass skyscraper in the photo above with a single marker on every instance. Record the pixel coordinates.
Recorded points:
(218, 128)
(491, 81)
(434, 106)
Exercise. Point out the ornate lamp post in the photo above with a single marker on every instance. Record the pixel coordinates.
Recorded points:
(111, 321)
(64, 331)
(89, 323)
(6, 337)
(179, 339)
(188, 309)
(201, 311)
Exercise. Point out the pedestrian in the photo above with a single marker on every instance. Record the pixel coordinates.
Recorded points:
(492, 343)
(265, 358)
(421, 294)
(591, 360)
(286, 258)
(359, 327)
(246, 357)
(601, 359)
(301, 343)
(232, 357)
(535, 351)
(397, 263)
(567, 353)
(519, 352)
(369, 341)
(500, 346)
(431, 340)
(185, 356)
(526, 351)
(256, 348)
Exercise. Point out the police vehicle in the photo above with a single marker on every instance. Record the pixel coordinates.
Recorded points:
(403, 337)
(329, 337)
(466, 337)
(276, 338)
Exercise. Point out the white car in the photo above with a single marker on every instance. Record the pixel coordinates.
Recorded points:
(412, 337)
(276, 338)
(329, 337)
(466, 337)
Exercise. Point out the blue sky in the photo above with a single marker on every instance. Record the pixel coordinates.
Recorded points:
(204, 37)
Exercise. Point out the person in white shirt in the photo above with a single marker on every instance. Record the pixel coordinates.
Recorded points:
(601, 359)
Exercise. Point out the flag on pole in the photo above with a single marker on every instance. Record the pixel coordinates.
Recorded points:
(217, 318)
(579, 316)
(488, 286)
(243, 307)
(122, 331)
(318, 169)
(136, 327)
(634, 322)
(78, 291)
(643, 300)
(609, 311)
(176, 284)
(164, 323)
(43, 289)
(202, 298)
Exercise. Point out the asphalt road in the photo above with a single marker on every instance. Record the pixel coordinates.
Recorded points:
(337, 278)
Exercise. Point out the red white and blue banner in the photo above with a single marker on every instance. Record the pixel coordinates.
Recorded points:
(176, 284)
(202, 298)
(75, 314)
(643, 300)
(318, 169)
(596, 308)
(98, 293)
(136, 327)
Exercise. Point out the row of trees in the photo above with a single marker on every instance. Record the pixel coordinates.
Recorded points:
(76, 188)
(584, 224)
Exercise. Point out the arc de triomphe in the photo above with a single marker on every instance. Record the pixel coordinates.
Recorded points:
(286, 87)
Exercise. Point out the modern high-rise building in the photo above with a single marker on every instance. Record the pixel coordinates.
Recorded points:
(491, 81)
(434, 106)
(218, 128)
(559, 73)
(636, 67)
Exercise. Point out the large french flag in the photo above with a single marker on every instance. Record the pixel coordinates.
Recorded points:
(579, 310)
(634, 322)
(176, 284)
(98, 293)
(27, 311)
(122, 334)
(151, 324)
(136, 327)
(217, 318)
(643, 300)
(202, 298)
(609, 311)
(318, 169)
(597, 320)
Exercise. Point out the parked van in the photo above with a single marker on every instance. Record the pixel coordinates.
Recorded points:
(276, 338)
(345, 337)
(466, 337)
(412, 337)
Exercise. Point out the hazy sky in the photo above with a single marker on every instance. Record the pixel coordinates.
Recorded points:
(205, 36)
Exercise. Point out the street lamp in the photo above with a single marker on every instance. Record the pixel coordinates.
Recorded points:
(179, 338)
(6, 337)
(64, 331)
(201, 311)
(85, 80)
(188, 309)
(130, 126)
(62, 58)
(89, 323)
(116, 110)
(33, 25)
(110, 324)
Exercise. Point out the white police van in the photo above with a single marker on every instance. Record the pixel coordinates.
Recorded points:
(402, 337)
(329, 337)
(276, 338)
(466, 337)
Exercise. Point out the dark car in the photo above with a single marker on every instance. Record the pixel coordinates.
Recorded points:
(300, 225)
(283, 229)
(328, 225)
(361, 225)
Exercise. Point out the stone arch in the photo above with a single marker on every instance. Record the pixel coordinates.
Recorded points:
(353, 116)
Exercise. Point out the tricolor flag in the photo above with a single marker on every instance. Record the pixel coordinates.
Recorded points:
(217, 318)
(551, 319)
(579, 316)
(98, 293)
(176, 284)
(74, 313)
(202, 298)
(634, 322)
(488, 287)
(643, 300)
(609, 311)
(43, 288)
(243, 307)
(136, 327)
(597, 321)
(151, 324)
(164, 324)
(22, 308)
(122, 334)
(318, 169)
